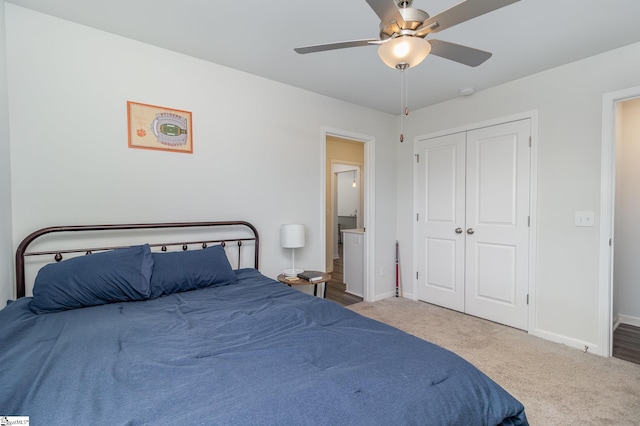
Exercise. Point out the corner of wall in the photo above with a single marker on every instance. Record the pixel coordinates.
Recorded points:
(6, 229)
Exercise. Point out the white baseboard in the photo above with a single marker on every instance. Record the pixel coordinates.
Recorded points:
(383, 296)
(407, 295)
(629, 320)
(616, 323)
(389, 295)
(569, 341)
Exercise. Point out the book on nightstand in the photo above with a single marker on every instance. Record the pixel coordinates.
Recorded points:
(311, 275)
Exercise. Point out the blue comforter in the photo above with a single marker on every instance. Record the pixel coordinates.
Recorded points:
(255, 352)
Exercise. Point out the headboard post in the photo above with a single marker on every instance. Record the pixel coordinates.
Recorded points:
(21, 251)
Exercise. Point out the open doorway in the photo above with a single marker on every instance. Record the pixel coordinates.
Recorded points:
(345, 199)
(619, 287)
(347, 202)
(626, 246)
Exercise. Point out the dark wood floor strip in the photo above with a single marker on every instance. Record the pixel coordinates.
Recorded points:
(626, 343)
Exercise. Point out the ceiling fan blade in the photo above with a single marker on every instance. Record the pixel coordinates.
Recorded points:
(387, 11)
(338, 45)
(461, 12)
(458, 53)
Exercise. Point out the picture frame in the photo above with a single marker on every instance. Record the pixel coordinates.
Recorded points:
(159, 128)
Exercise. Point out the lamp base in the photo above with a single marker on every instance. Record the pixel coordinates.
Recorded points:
(292, 272)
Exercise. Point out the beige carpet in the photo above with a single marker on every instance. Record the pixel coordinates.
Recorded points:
(558, 385)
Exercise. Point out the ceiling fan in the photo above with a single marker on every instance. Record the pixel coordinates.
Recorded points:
(403, 29)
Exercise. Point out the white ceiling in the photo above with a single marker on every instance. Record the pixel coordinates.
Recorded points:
(258, 36)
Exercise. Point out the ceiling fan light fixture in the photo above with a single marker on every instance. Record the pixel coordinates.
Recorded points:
(404, 52)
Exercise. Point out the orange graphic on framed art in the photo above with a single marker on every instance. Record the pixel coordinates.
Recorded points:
(155, 127)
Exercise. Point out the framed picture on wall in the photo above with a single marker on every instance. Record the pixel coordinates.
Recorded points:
(160, 128)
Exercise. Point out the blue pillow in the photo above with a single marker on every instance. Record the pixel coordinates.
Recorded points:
(189, 270)
(95, 279)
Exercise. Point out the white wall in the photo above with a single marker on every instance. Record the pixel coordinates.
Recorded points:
(626, 274)
(569, 104)
(255, 141)
(6, 248)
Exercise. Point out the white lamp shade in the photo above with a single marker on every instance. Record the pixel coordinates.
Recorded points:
(407, 50)
(292, 235)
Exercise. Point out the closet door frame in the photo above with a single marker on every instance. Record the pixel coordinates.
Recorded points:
(533, 117)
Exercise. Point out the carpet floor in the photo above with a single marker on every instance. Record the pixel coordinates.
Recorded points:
(558, 385)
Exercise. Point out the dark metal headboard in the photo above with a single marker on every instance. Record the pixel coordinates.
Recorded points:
(22, 252)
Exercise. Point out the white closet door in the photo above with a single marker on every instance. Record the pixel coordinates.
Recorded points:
(440, 190)
(472, 231)
(497, 215)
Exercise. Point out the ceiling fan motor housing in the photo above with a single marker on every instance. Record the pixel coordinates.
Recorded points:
(413, 18)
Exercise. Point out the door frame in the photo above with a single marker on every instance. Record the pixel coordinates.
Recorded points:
(350, 167)
(368, 216)
(533, 197)
(607, 211)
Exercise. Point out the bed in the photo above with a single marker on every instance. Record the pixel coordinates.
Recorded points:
(185, 333)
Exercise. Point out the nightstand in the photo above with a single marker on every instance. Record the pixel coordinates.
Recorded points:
(299, 281)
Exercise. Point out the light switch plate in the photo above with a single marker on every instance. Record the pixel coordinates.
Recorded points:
(585, 218)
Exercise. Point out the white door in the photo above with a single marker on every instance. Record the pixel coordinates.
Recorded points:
(475, 261)
(497, 212)
(440, 185)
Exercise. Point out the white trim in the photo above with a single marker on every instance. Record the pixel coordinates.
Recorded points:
(385, 295)
(568, 341)
(493, 122)
(533, 225)
(607, 200)
(616, 323)
(533, 198)
(629, 320)
(369, 202)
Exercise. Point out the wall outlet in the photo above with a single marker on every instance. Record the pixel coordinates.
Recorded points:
(585, 218)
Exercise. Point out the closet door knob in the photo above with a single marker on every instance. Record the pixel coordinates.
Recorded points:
(470, 231)
(458, 230)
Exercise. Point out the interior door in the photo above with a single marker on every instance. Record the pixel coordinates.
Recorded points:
(472, 230)
(440, 185)
(497, 223)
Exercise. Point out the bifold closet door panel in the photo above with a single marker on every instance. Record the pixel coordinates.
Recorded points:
(440, 195)
(497, 212)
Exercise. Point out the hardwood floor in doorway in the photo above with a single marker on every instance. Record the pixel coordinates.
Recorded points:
(336, 288)
(626, 343)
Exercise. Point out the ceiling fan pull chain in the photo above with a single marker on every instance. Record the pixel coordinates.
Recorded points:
(402, 103)
(406, 94)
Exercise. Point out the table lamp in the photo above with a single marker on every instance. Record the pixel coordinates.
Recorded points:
(292, 236)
